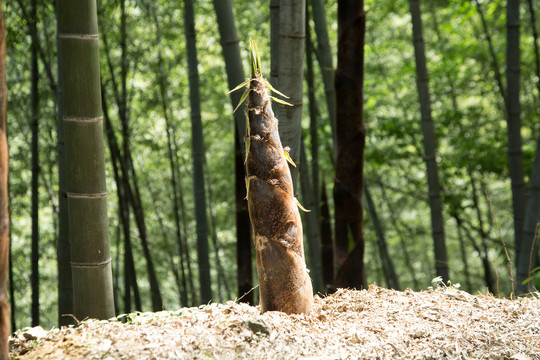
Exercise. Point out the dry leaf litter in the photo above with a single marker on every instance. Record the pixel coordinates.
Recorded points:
(444, 323)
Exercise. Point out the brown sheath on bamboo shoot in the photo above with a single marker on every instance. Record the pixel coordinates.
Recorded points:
(284, 282)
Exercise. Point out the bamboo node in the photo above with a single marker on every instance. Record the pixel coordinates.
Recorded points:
(78, 36)
(86, 196)
(90, 265)
(83, 119)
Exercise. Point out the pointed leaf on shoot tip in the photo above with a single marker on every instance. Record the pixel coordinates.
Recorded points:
(255, 58)
(280, 101)
(239, 86)
(252, 58)
(247, 188)
(300, 205)
(242, 99)
(258, 59)
(275, 91)
(286, 154)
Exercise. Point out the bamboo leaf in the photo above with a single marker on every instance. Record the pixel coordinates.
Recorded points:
(255, 58)
(274, 90)
(239, 86)
(280, 101)
(286, 154)
(258, 59)
(247, 187)
(242, 99)
(253, 65)
(300, 206)
(247, 142)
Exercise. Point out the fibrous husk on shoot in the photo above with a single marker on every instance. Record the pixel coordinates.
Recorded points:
(284, 282)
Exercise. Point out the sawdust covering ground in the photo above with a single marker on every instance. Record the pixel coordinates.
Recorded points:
(371, 324)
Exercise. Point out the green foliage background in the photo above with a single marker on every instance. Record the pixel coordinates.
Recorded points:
(468, 112)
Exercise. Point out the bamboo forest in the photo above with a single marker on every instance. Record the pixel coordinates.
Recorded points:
(411, 130)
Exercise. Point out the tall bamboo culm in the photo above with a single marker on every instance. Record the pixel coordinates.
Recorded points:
(197, 155)
(85, 165)
(290, 74)
(63, 247)
(4, 202)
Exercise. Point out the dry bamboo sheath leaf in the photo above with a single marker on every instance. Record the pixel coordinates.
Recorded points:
(284, 281)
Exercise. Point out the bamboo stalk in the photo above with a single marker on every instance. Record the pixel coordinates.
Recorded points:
(85, 160)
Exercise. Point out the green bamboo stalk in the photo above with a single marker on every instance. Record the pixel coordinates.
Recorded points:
(171, 150)
(290, 74)
(235, 75)
(429, 141)
(350, 144)
(34, 125)
(231, 55)
(63, 249)
(513, 122)
(532, 214)
(85, 165)
(198, 156)
(324, 56)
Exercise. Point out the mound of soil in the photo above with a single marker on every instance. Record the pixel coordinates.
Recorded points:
(370, 324)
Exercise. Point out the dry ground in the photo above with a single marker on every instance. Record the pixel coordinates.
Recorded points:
(377, 323)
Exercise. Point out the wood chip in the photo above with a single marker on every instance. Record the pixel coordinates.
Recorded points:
(368, 324)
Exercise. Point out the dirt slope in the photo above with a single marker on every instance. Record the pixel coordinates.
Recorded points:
(444, 323)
